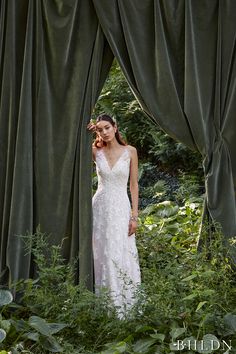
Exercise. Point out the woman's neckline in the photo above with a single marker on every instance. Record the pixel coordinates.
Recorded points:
(107, 161)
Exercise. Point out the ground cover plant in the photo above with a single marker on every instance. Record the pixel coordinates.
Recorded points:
(185, 296)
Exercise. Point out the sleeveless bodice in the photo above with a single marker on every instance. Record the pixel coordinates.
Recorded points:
(113, 179)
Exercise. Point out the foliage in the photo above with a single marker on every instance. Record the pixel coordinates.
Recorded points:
(156, 185)
(140, 130)
(189, 296)
(87, 316)
(184, 294)
(190, 185)
(16, 332)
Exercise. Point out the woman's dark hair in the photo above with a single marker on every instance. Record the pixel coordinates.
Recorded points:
(99, 143)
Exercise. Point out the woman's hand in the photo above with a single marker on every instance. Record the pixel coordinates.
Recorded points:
(132, 227)
(91, 126)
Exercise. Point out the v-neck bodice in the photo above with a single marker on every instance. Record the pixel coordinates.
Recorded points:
(115, 177)
(117, 160)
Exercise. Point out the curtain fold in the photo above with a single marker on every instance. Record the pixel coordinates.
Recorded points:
(179, 59)
(53, 62)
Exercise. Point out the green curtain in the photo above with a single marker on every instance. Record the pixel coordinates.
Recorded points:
(53, 62)
(179, 59)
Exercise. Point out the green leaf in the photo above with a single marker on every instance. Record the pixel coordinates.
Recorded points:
(177, 332)
(14, 351)
(115, 348)
(158, 336)
(208, 292)
(46, 329)
(120, 347)
(150, 209)
(50, 344)
(172, 227)
(230, 322)
(141, 329)
(208, 273)
(128, 339)
(2, 334)
(6, 325)
(39, 324)
(142, 345)
(199, 306)
(20, 325)
(56, 327)
(34, 336)
(109, 351)
(166, 210)
(190, 297)
(5, 297)
(190, 277)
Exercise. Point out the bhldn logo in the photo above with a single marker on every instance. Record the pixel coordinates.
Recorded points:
(202, 346)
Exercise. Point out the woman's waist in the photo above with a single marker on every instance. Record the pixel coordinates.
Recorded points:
(115, 192)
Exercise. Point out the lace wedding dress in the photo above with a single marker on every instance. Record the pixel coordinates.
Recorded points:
(116, 263)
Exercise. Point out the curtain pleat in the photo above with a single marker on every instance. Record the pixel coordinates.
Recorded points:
(54, 60)
(179, 59)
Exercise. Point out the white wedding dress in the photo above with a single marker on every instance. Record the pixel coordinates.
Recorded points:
(116, 264)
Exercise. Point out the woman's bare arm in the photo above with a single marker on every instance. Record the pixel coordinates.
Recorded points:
(134, 188)
(94, 150)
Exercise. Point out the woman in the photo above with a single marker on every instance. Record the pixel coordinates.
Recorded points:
(116, 264)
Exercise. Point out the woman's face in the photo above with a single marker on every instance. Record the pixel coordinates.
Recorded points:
(106, 130)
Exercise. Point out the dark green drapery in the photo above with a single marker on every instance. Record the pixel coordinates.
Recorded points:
(179, 58)
(53, 62)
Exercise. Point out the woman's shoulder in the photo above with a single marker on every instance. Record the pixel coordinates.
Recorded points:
(132, 150)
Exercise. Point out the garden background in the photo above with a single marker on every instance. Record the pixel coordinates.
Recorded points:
(54, 61)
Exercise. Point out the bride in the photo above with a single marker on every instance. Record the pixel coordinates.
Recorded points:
(116, 264)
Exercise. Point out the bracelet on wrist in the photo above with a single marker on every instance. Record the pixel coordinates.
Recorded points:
(134, 218)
